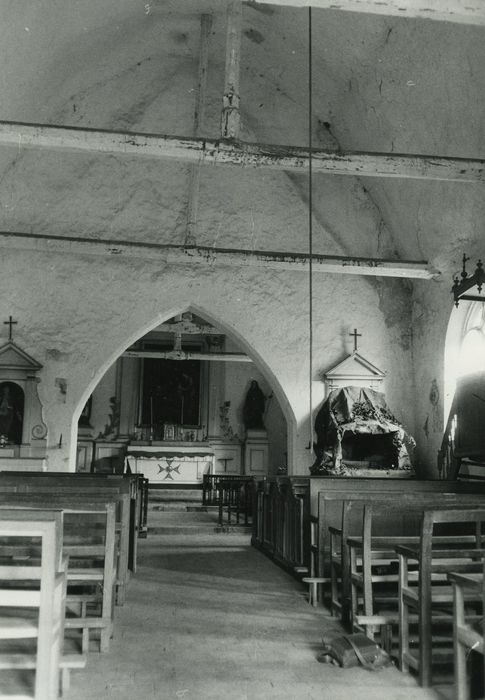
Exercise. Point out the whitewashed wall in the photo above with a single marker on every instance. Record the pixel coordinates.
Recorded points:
(77, 314)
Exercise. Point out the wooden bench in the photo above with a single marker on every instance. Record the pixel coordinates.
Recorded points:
(466, 636)
(397, 491)
(89, 542)
(325, 493)
(280, 522)
(115, 489)
(373, 562)
(430, 597)
(134, 484)
(37, 585)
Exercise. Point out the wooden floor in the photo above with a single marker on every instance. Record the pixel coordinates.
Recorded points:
(207, 616)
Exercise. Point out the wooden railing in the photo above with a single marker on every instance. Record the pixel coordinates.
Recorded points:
(236, 499)
(448, 461)
(458, 457)
(281, 521)
(211, 486)
(233, 494)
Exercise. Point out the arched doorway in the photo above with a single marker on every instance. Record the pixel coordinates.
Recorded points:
(182, 385)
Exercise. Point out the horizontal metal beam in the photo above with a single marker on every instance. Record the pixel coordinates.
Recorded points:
(202, 255)
(251, 155)
(460, 11)
(188, 355)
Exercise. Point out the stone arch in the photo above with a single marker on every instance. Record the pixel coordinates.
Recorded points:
(216, 321)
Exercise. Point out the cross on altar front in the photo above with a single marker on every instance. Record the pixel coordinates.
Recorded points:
(169, 469)
(355, 335)
(10, 323)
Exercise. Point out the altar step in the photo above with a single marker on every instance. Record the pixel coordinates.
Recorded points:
(172, 500)
(163, 496)
(181, 512)
(192, 522)
(182, 507)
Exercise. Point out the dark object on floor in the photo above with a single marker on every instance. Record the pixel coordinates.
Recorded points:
(354, 650)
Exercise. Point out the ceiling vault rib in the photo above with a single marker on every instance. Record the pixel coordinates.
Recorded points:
(458, 11)
(172, 254)
(220, 152)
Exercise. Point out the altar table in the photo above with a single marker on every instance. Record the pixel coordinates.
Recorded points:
(171, 462)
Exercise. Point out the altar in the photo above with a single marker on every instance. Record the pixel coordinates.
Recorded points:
(170, 462)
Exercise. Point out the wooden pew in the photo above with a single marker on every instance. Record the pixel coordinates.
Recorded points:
(135, 484)
(347, 490)
(281, 522)
(89, 542)
(373, 560)
(115, 489)
(465, 635)
(430, 597)
(325, 493)
(38, 585)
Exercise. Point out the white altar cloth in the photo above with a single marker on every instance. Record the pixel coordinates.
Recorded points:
(171, 462)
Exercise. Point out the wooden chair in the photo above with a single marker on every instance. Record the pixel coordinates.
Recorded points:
(430, 597)
(466, 636)
(89, 543)
(361, 550)
(374, 562)
(37, 585)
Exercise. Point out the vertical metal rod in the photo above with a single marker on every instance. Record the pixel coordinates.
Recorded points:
(310, 226)
(231, 119)
(199, 114)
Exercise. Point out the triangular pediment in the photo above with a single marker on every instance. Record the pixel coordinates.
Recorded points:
(355, 365)
(13, 357)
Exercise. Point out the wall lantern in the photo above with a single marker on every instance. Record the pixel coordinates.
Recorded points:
(469, 287)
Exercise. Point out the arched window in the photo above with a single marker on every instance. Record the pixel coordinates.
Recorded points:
(472, 349)
(465, 347)
(465, 380)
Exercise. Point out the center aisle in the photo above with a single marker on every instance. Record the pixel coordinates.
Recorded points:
(209, 617)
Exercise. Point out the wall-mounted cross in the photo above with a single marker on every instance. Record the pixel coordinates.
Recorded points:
(355, 335)
(10, 323)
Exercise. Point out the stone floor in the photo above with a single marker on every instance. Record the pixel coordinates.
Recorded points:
(209, 617)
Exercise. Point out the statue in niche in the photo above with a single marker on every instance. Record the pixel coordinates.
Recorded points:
(11, 412)
(253, 409)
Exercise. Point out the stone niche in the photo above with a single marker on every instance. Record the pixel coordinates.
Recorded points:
(22, 430)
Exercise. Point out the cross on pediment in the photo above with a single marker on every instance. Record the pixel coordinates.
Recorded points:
(355, 335)
(10, 323)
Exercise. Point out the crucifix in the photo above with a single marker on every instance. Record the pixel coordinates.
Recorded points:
(355, 335)
(10, 323)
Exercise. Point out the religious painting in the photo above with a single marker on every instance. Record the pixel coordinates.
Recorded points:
(168, 431)
(170, 390)
(11, 412)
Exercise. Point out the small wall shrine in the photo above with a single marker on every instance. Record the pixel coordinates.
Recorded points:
(357, 434)
(22, 430)
(356, 431)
